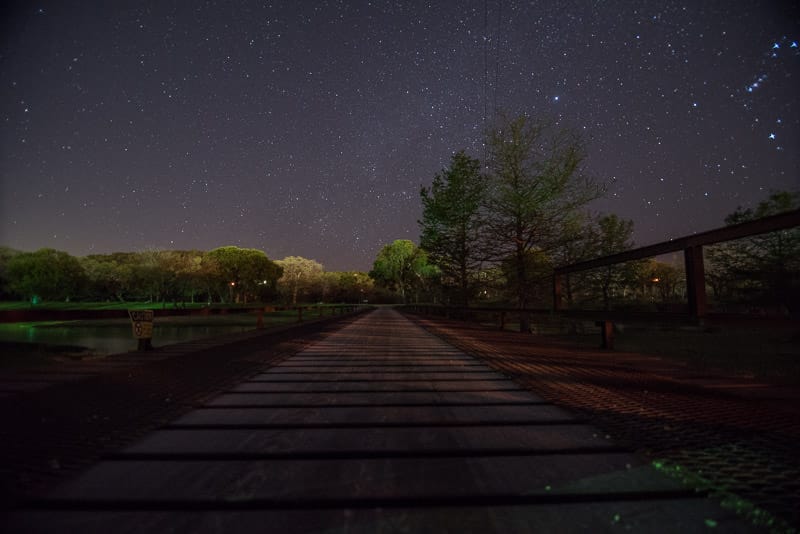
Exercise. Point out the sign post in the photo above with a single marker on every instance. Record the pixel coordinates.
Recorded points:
(142, 324)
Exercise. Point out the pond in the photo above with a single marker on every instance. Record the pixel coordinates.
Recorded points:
(105, 338)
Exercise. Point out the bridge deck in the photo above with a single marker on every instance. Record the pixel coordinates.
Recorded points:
(381, 426)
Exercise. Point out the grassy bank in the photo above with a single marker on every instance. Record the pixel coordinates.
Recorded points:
(82, 306)
(17, 354)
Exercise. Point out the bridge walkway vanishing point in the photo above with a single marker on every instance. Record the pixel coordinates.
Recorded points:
(379, 427)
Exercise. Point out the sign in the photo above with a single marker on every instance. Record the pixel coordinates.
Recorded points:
(142, 323)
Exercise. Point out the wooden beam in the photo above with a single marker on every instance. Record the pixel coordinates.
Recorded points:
(557, 303)
(781, 221)
(695, 281)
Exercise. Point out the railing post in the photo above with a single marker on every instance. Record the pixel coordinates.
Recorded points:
(557, 304)
(695, 281)
(524, 321)
(606, 334)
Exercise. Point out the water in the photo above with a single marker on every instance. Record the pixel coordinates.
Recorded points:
(110, 339)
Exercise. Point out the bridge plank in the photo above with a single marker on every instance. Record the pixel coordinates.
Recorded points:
(400, 385)
(370, 440)
(377, 398)
(361, 479)
(409, 415)
(662, 515)
(385, 376)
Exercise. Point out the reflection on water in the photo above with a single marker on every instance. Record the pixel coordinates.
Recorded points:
(110, 339)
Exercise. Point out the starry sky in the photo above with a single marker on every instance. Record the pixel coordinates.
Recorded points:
(307, 127)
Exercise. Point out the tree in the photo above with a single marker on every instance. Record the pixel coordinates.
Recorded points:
(575, 247)
(402, 267)
(355, 286)
(535, 188)
(245, 272)
(191, 273)
(104, 277)
(347, 286)
(666, 280)
(6, 254)
(184, 268)
(607, 235)
(763, 268)
(451, 223)
(47, 274)
(538, 266)
(300, 275)
(122, 273)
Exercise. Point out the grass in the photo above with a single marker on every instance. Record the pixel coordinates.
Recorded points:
(18, 355)
(25, 305)
(233, 319)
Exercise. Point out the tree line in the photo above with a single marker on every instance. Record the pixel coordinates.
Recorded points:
(495, 230)
(223, 275)
(491, 231)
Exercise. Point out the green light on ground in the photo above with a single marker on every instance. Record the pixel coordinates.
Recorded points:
(730, 501)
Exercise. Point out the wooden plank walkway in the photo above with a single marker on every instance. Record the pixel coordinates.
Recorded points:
(380, 427)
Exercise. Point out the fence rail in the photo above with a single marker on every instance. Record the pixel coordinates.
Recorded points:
(692, 247)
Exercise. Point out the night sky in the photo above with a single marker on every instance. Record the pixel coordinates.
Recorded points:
(307, 127)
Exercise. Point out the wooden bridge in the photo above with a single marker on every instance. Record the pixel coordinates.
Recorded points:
(374, 425)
